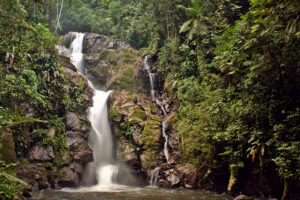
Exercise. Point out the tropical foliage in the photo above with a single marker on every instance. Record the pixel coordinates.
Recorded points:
(231, 66)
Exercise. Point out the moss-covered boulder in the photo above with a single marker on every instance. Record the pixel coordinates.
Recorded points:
(136, 122)
(112, 64)
(117, 69)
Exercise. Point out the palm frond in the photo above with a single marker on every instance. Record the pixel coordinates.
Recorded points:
(197, 4)
(189, 11)
(185, 25)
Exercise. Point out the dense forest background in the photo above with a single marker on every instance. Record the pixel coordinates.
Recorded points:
(232, 66)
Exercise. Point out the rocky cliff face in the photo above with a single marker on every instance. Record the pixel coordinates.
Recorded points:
(60, 164)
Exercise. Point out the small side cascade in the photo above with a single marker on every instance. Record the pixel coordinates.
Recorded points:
(153, 177)
(151, 75)
(164, 130)
(154, 94)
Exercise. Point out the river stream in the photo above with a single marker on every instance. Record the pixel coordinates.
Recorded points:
(130, 194)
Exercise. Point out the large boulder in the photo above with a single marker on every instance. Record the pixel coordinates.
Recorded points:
(136, 121)
(34, 174)
(189, 175)
(127, 153)
(76, 81)
(79, 147)
(173, 180)
(117, 69)
(73, 122)
(112, 64)
(173, 176)
(68, 178)
(41, 153)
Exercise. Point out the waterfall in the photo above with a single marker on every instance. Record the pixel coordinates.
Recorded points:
(158, 102)
(164, 130)
(101, 136)
(154, 176)
(76, 51)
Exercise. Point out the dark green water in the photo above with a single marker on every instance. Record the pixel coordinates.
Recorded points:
(130, 194)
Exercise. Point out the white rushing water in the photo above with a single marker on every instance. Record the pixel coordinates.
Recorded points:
(151, 75)
(101, 142)
(77, 51)
(154, 176)
(164, 130)
(153, 95)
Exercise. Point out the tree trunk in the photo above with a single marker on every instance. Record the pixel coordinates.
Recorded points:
(285, 190)
(232, 179)
(58, 18)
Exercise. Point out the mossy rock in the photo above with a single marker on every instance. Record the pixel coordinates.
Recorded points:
(115, 115)
(151, 136)
(62, 158)
(117, 69)
(7, 152)
(148, 159)
(137, 116)
(155, 119)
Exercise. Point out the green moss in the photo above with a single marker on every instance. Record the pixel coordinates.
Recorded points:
(128, 56)
(138, 115)
(126, 129)
(62, 157)
(151, 137)
(115, 115)
(61, 173)
(7, 152)
(148, 159)
(125, 79)
(154, 123)
(10, 186)
(156, 119)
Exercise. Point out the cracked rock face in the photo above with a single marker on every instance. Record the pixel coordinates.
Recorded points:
(41, 153)
(93, 43)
